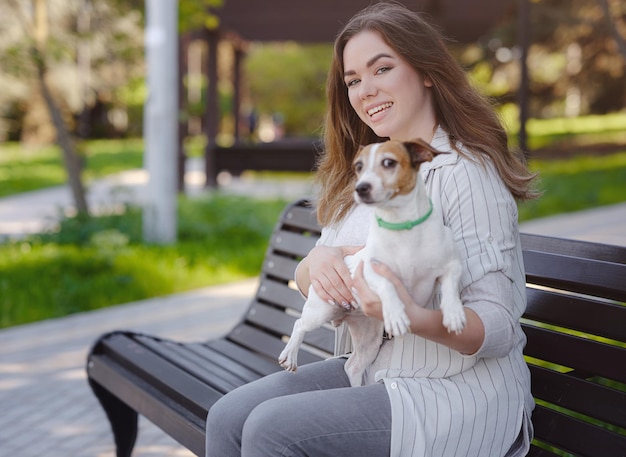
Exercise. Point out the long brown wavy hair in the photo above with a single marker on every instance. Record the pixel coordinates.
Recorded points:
(465, 114)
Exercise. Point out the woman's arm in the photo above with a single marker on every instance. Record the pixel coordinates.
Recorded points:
(325, 269)
(426, 323)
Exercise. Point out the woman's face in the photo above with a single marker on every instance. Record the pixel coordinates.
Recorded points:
(386, 92)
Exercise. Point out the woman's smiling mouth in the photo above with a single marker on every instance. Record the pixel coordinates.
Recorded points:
(379, 108)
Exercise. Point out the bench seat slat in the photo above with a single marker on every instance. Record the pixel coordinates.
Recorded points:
(577, 313)
(166, 377)
(212, 368)
(575, 435)
(181, 423)
(571, 351)
(248, 357)
(579, 395)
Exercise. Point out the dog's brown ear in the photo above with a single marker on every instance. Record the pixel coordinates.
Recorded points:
(420, 151)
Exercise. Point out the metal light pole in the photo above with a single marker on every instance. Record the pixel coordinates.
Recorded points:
(161, 121)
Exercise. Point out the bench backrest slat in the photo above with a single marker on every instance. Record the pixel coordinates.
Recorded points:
(265, 344)
(279, 267)
(576, 274)
(578, 353)
(280, 295)
(277, 304)
(575, 435)
(583, 314)
(580, 395)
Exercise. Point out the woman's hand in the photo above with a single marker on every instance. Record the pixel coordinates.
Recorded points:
(368, 299)
(426, 323)
(329, 275)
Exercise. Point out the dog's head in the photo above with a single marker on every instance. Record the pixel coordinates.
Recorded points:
(384, 170)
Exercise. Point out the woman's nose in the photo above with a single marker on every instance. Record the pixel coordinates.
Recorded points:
(366, 89)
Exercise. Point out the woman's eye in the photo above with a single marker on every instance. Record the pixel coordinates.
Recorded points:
(383, 70)
(352, 82)
(389, 163)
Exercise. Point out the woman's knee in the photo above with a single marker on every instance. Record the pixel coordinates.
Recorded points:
(268, 429)
(224, 424)
(224, 413)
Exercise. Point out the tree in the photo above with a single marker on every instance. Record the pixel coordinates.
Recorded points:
(36, 32)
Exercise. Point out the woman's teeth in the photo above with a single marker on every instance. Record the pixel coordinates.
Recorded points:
(379, 108)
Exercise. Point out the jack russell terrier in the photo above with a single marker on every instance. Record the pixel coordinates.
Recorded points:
(408, 235)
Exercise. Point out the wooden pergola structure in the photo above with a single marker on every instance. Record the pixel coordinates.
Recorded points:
(318, 21)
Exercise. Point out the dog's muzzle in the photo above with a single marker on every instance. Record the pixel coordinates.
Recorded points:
(363, 189)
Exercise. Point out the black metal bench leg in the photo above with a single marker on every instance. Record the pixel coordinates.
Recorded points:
(123, 419)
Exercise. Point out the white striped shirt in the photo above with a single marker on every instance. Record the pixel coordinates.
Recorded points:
(445, 403)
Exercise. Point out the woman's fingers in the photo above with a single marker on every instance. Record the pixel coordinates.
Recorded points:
(330, 275)
(367, 298)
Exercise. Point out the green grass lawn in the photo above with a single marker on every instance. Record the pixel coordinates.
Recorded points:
(102, 261)
(23, 169)
(577, 183)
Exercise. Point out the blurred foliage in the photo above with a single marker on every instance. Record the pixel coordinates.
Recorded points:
(576, 67)
(101, 262)
(290, 79)
(198, 14)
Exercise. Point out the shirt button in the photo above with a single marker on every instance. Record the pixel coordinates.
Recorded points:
(394, 385)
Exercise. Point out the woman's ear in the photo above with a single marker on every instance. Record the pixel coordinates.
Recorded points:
(427, 82)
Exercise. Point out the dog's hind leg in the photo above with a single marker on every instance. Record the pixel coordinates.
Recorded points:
(366, 334)
(453, 313)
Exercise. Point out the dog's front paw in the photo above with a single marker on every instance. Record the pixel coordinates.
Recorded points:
(454, 318)
(397, 323)
(288, 360)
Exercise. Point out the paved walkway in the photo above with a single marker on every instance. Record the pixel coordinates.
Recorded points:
(46, 405)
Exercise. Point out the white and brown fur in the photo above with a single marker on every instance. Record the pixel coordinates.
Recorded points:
(388, 179)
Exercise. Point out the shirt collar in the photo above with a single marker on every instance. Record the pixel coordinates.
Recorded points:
(440, 142)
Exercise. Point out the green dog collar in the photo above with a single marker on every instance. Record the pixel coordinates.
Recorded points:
(407, 225)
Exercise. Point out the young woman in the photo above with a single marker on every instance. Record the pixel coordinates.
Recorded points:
(429, 393)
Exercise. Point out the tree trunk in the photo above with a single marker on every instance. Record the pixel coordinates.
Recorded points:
(70, 158)
(619, 39)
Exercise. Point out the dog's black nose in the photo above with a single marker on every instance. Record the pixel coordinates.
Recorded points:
(363, 189)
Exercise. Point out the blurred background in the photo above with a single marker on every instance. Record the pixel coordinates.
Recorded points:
(251, 81)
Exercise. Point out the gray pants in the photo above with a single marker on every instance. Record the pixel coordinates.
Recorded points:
(313, 412)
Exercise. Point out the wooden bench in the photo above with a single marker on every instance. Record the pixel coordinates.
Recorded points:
(575, 323)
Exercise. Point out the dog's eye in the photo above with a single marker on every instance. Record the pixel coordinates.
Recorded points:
(389, 163)
(358, 167)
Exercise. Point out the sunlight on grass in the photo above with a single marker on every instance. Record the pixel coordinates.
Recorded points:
(25, 168)
(577, 183)
(98, 262)
(577, 125)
